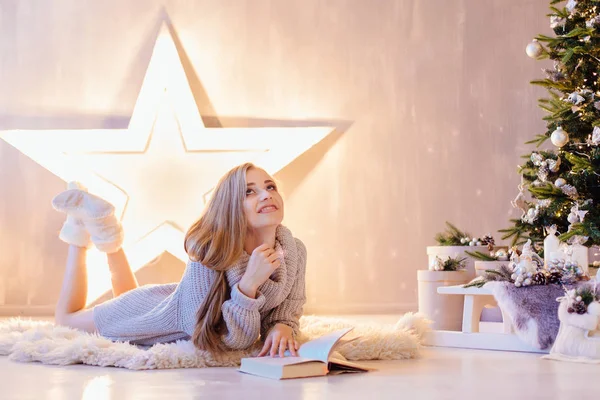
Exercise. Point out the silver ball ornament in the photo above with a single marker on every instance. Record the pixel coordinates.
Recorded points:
(534, 49)
(560, 182)
(572, 218)
(501, 255)
(559, 137)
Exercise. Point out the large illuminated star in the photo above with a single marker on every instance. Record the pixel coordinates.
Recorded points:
(158, 171)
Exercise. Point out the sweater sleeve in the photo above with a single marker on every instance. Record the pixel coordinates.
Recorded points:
(242, 317)
(290, 310)
(240, 313)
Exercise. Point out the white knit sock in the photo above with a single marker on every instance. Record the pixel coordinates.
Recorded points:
(83, 205)
(107, 233)
(97, 216)
(73, 230)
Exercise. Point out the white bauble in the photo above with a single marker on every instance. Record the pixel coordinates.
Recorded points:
(534, 49)
(573, 218)
(560, 182)
(501, 255)
(559, 137)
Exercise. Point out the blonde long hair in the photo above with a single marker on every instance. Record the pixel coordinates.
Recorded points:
(216, 240)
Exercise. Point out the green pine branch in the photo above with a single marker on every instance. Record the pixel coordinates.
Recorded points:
(579, 163)
(550, 84)
(480, 256)
(477, 282)
(452, 236)
(579, 32)
(502, 274)
(519, 233)
(454, 264)
(587, 295)
(587, 228)
(538, 141)
(547, 191)
(555, 11)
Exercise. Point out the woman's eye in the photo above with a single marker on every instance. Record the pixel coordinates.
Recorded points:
(248, 192)
(272, 187)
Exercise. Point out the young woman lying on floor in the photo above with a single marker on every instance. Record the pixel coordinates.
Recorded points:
(244, 278)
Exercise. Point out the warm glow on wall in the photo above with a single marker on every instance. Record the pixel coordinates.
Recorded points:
(158, 171)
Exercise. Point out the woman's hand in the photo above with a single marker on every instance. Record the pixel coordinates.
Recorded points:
(263, 262)
(280, 339)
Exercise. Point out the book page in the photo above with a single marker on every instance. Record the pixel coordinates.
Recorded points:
(279, 361)
(336, 364)
(321, 347)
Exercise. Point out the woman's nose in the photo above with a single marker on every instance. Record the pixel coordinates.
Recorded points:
(265, 194)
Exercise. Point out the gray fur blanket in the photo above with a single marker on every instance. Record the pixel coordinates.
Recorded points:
(533, 310)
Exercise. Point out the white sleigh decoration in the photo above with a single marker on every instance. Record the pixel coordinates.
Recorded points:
(578, 337)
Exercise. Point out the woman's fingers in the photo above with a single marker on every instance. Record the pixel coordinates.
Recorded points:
(278, 345)
(282, 347)
(260, 249)
(274, 260)
(275, 345)
(268, 251)
(266, 347)
(292, 347)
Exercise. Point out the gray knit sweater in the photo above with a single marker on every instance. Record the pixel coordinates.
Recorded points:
(164, 313)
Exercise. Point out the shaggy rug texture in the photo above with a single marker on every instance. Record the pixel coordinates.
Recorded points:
(533, 310)
(26, 340)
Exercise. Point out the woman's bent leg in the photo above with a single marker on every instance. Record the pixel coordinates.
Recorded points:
(73, 294)
(121, 275)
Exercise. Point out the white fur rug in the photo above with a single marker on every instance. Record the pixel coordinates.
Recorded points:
(26, 340)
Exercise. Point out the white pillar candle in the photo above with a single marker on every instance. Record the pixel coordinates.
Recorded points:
(580, 256)
(551, 245)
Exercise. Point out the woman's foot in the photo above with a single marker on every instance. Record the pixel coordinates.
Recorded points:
(96, 215)
(73, 230)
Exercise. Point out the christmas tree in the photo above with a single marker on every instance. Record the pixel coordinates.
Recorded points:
(560, 182)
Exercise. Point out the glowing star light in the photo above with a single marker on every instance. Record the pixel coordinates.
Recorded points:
(159, 169)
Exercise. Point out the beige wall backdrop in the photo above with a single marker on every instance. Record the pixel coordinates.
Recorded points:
(431, 101)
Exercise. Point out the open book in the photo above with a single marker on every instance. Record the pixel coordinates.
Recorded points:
(314, 359)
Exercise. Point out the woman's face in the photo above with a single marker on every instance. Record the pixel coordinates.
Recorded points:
(263, 204)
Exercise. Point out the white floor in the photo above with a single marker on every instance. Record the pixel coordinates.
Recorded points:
(440, 373)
